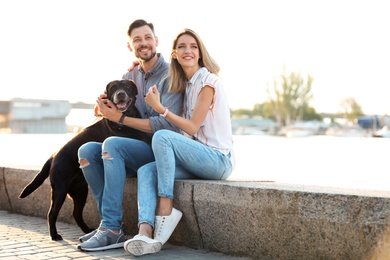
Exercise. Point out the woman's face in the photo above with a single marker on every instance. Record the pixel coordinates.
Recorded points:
(187, 51)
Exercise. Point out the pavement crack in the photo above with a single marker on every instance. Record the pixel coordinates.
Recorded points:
(196, 215)
(6, 190)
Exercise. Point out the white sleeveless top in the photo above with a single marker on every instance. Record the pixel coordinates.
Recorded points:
(216, 130)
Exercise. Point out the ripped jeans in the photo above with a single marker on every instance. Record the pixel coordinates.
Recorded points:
(105, 167)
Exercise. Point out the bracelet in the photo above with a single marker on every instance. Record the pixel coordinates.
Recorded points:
(120, 123)
(165, 113)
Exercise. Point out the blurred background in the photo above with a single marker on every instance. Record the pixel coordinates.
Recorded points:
(313, 70)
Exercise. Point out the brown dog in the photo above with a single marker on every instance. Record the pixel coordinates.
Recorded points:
(63, 168)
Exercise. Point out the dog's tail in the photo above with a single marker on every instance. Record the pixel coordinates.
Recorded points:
(38, 180)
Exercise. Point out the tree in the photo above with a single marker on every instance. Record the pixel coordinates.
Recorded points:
(350, 109)
(258, 109)
(309, 113)
(290, 96)
(242, 112)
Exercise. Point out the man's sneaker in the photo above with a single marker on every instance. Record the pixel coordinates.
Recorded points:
(165, 225)
(91, 234)
(142, 245)
(87, 236)
(103, 239)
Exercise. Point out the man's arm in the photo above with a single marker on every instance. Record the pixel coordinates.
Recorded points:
(173, 101)
(109, 111)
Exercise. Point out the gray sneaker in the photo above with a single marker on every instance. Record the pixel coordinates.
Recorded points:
(91, 234)
(103, 239)
(87, 236)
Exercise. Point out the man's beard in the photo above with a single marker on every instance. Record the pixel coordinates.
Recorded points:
(148, 58)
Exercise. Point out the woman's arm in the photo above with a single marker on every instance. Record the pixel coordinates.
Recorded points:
(190, 126)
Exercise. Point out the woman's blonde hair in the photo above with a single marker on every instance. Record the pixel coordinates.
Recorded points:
(177, 78)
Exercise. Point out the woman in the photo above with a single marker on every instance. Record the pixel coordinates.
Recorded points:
(203, 151)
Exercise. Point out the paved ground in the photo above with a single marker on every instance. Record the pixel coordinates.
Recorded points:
(26, 237)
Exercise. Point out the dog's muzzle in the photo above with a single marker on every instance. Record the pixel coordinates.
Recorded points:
(121, 100)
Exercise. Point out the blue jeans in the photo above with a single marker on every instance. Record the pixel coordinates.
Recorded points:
(176, 157)
(108, 165)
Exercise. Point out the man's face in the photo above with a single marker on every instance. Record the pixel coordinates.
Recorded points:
(143, 43)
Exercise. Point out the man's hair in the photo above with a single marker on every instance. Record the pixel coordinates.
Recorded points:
(139, 23)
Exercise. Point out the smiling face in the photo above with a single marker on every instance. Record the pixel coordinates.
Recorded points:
(143, 43)
(187, 51)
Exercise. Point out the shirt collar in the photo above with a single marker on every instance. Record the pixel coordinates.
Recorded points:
(156, 66)
(197, 74)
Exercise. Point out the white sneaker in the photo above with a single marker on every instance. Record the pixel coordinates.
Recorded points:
(165, 225)
(142, 245)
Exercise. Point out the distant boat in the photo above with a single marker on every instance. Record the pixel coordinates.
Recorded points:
(301, 129)
(299, 133)
(248, 130)
(252, 126)
(347, 131)
(383, 132)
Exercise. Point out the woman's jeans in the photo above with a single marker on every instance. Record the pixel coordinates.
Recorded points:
(176, 157)
(108, 163)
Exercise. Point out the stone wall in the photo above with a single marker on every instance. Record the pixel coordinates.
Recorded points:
(261, 220)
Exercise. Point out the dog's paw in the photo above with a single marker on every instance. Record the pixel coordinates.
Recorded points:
(56, 237)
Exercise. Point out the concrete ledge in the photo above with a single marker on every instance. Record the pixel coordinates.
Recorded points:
(255, 219)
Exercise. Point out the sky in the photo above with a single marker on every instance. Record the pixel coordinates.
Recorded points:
(71, 49)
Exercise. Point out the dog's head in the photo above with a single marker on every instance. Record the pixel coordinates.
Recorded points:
(122, 93)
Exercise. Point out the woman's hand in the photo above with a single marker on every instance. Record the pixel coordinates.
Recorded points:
(133, 65)
(107, 109)
(153, 99)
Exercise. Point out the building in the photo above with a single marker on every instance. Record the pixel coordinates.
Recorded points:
(29, 116)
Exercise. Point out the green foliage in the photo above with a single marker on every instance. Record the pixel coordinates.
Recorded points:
(350, 109)
(290, 96)
(310, 114)
(289, 100)
(258, 110)
(242, 112)
(267, 110)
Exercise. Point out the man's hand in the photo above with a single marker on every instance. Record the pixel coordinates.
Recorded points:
(108, 110)
(96, 108)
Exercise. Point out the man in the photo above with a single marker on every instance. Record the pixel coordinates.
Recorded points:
(106, 165)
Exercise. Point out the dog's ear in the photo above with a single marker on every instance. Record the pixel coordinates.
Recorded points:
(106, 90)
(133, 85)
